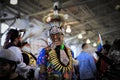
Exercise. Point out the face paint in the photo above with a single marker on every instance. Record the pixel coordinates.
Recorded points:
(57, 39)
(55, 30)
(53, 36)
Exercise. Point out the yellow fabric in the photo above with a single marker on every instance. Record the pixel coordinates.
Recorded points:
(32, 60)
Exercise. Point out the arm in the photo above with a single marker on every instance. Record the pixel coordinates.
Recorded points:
(41, 60)
(106, 59)
(92, 64)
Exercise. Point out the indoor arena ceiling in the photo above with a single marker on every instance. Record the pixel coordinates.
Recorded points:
(88, 17)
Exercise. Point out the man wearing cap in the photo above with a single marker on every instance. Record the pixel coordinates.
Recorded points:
(8, 64)
(55, 61)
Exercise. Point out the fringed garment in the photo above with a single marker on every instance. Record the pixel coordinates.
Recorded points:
(59, 64)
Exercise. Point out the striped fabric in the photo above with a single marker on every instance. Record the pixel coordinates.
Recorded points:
(99, 43)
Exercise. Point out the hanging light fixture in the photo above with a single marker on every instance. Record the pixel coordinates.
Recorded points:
(48, 19)
(94, 44)
(80, 36)
(88, 41)
(68, 29)
(13, 2)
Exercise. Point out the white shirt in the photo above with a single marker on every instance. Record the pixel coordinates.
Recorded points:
(21, 67)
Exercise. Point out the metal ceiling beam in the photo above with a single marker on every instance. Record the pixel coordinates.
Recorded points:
(102, 5)
(73, 3)
(71, 14)
(96, 18)
(111, 31)
(33, 5)
(64, 5)
(23, 6)
(19, 9)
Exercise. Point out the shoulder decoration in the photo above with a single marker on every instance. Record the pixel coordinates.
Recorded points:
(32, 60)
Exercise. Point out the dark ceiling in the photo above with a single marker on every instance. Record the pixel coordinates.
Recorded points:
(89, 17)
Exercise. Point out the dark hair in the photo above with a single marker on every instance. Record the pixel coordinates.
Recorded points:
(107, 46)
(115, 45)
(11, 36)
(114, 52)
(83, 45)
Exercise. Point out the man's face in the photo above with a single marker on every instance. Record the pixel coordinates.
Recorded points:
(57, 38)
(19, 41)
(5, 70)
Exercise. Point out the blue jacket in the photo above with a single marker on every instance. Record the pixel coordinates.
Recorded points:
(87, 67)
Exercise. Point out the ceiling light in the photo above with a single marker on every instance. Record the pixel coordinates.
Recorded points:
(80, 36)
(94, 44)
(48, 19)
(87, 41)
(66, 16)
(68, 30)
(13, 2)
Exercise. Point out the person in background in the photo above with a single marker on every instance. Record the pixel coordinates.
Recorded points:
(106, 47)
(91, 50)
(102, 65)
(113, 61)
(8, 64)
(114, 52)
(87, 67)
(12, 42)
(55, 62)
(28, 57)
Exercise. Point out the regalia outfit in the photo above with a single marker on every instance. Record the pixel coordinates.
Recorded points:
(58, 62)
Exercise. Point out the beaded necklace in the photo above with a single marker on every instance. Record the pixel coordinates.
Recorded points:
(56, 63)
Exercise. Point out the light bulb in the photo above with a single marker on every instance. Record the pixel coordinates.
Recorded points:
(48, 19)
(87, 41)
(94, 44)
(13, 2)
(66, 16)
(68, 30)
(80, 36)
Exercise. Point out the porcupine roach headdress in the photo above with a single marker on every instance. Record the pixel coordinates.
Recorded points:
(56, 21)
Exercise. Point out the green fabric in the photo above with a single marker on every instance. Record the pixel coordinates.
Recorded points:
(62, 47)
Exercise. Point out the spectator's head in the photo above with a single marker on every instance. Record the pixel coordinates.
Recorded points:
(8, 63)
(85, 46)
(88, 48)
(106, 42)
(106, 47)
(114, 52)
(13, 36)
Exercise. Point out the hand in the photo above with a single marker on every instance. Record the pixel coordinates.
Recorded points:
(30, 74)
